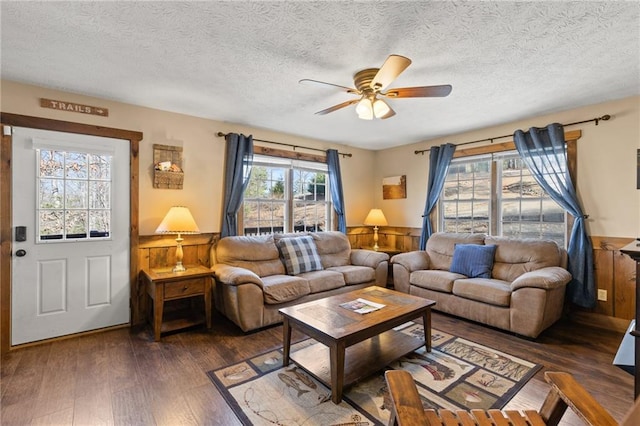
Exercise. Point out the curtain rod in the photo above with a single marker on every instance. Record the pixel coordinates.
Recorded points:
(603, 118)
(220, 134)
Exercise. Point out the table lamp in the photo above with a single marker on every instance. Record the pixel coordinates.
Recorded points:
(178, 221)
(375, 218)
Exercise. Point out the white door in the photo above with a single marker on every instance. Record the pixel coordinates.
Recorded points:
(70, 270)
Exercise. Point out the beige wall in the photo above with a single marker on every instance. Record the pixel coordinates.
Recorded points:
(606, 160)
(203, 153)
(606, 167)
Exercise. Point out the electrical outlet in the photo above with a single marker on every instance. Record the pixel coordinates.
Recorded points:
(602, 295)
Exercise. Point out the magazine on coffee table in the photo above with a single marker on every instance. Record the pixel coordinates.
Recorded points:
(362, 306)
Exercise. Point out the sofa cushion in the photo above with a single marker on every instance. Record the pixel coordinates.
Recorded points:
(355, 274)
(258, 254)
(320, 281)
(299, 255)
(514, 256)
(434, 280)
(333, 247)
(493, 292)
(473, 260)
(283, 288)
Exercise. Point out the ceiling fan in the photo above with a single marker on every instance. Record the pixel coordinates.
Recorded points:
(370, 85)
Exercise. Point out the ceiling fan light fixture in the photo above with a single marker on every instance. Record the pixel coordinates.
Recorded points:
(364, 109)
(380, 108)
(372, 82)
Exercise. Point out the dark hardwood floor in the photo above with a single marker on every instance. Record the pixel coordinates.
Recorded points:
(123, 377)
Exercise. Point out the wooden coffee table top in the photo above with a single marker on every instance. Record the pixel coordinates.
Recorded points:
(329, 318)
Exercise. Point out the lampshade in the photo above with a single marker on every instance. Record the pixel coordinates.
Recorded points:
(364, 109)
(178, 221)
(380, 108)
(376, 218)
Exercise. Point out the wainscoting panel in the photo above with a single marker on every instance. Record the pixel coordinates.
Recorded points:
(615, 272)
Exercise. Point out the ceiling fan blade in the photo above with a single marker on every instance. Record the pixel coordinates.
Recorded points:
(337, 107)
(343, 88)
(419, 92)
(390, 70)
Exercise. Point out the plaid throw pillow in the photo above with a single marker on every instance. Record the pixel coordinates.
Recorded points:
(299, 255)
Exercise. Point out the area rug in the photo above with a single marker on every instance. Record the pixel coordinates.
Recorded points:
(456, 374)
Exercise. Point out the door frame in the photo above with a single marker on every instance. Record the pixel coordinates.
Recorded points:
(6, 198)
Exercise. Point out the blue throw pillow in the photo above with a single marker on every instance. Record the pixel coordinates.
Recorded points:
(473, 260)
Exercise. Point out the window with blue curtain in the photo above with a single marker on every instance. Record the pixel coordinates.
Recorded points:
(496, 194)
(287, 195)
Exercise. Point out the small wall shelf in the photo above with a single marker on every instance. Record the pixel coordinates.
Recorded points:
(167, 167)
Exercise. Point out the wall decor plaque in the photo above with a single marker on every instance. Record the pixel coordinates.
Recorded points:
(394, 187)
(74, 107)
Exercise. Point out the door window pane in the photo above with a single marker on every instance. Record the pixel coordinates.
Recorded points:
(76, 193)
(76, 223)
(76, 165)
(74, 197)
(99, 195)
(51, 163)
(99, 223)
(100, 167)
(51, 193)
(51, 224)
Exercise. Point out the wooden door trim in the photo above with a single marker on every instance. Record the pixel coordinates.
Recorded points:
(134, 138)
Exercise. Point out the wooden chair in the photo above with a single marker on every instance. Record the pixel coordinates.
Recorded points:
(565, 392)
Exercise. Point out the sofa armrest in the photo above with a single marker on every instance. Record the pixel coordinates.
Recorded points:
(546, 278)
(368, 258)
(412, 261)
(233, 275)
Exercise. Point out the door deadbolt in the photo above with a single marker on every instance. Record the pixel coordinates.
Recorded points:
(21, 233)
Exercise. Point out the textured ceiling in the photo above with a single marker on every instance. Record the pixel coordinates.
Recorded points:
(240, 62)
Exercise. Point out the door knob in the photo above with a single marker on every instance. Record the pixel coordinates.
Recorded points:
(21, 253)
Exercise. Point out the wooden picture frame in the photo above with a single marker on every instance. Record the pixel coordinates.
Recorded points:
(394, 187)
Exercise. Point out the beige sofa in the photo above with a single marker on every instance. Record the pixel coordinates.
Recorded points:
(252, 283)
(524, 294)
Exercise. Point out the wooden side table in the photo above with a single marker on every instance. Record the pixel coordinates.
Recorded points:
(163, 284)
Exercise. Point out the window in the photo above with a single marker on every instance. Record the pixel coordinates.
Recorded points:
(526, 210)
(465, 202)
(74, 195)
(497, 195)
(285, 195)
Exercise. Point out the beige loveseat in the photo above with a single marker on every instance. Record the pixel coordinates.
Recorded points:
(524, 293)
(252, 281)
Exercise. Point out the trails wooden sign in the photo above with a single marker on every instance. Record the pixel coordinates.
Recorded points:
(73, 107)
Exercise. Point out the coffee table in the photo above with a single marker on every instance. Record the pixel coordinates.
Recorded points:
(357, 344)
